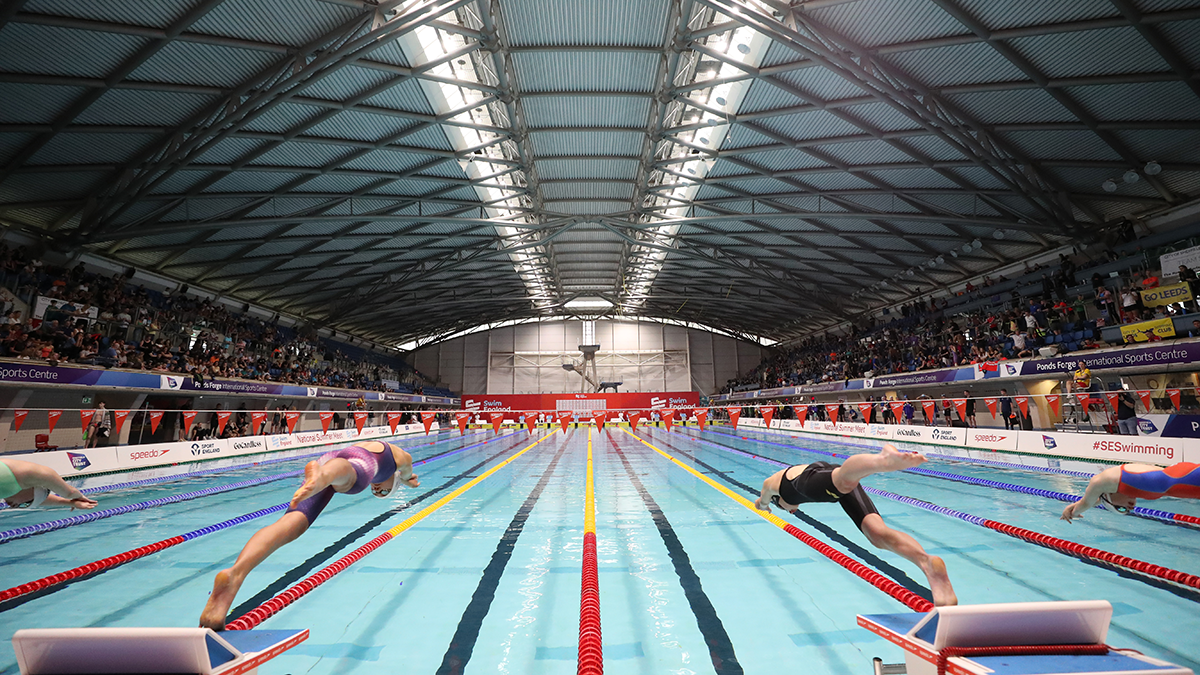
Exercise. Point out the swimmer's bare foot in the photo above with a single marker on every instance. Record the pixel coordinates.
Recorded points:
(895, 460)
(225, 587)
(939, 582)
(309, 487)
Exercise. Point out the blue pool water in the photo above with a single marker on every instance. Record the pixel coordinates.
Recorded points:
(690, 580)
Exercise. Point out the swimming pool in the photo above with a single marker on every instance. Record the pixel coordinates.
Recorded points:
(690, 580)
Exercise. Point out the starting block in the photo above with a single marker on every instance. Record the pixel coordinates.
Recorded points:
(196, 651)
(928, 637)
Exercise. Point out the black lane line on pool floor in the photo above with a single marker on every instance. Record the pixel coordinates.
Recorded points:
(720, 647)
(321, 557)
(463, 643)
(1184, 592)
(867, 557)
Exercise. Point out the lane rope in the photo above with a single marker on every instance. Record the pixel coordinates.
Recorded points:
(898, 592)
(149, 549)
(591, 646)
(276, 604)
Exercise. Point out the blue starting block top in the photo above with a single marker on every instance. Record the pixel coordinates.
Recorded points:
(198, 651)
(923, 636)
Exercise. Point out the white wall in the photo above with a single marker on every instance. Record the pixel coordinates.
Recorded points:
(528, 358)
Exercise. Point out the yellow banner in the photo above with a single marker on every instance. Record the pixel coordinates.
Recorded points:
(1163, 328)
(1166, 295)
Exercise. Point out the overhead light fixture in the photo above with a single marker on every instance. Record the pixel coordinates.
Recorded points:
(721, 100)
(977, 244)
(999, 234)
(1109, 185)
(1153, 168)
(884, 284)
(588, 303)
(941, 260)
(954, 253)
(743, 48)
(966, 248)
(1130, 177)
(704, 140)
(910, 272)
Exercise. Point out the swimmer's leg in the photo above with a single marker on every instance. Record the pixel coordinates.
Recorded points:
(264, 542)
(858, 467)
(902, 544)
(337, 473)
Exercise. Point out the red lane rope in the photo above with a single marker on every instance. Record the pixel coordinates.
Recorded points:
(591, 651)
(90, 568)
(1019, 650)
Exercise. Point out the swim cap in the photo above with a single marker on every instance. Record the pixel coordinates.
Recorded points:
(39, 496)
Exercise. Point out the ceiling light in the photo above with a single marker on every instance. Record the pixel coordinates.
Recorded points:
(713, 121)
(966, 248)
(999, 234)
(1109, 185)
(588, 303)
(954, 253)
(1130, 176)
(720, 100)
(1153, 168)
(884, 284)
(743, 48)
(941, 260)
(910, 272)
(933, 263)
(704, 140)
(977, 244)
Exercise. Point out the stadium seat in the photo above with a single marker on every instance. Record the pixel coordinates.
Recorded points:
(41, 442)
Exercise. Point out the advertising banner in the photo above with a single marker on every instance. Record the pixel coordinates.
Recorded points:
(138, 456)
(1149, 450)
(1169, 262)
(1166, 295)
(1162, 355)
(992, 439)
(1139, 332)
(935, 435)
(607, 401)
(68, 463)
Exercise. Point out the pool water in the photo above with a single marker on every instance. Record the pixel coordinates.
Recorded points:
(690, 580)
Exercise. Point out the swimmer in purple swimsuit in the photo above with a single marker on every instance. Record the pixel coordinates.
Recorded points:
(1121, 486)
(382, 466)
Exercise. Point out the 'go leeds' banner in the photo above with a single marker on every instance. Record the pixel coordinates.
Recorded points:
(1163, 328)
(1166, 295)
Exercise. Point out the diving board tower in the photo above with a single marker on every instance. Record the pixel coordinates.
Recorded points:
(1012, 639)
(197, 651)
(589, 359)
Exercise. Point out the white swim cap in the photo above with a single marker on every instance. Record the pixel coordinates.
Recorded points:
(39, 496)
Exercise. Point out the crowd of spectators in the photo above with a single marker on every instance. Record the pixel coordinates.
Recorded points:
(928, 334)
(106, 321)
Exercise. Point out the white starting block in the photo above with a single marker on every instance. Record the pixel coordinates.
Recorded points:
(923, 636)
(196, 651)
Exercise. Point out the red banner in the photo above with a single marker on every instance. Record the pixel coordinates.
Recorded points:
(607, 400)
(326, 418)
(831, 409)
(1113, 399)
(360, 419)
(85, 418)
(735, 414)
(1022, 405)
(930, 408)
(1145, 396)
(801, 413)
(991, 405)
(599, 417)
(634, 416)
(897, 409)
(768, 413)
(1084, 399)
(462, 418)
(564, 418)
(292, 417)
(54, 415)
(497, 420)
(393, 420)
(155, 418)
(701, 417)
(119, 417)
(19, 419)
(531, 420)
(960, 404)
(668, 417)
(256, 422)
(864, 409)
(1055, 403)
(1173, 394)
(188, 416)
(222, 420)
(427, 419)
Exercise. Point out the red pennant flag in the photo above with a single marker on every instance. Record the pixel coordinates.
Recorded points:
(1055, 403)
(326, 418)
(427, 419)
(393, 419)
(768, 412)
(801, 413)
(531, 420)
(222, 420)
(360, 418)
(634, 417)
(19, 419)
(832, 410)
(930, 409)
(497, 420)
(1022, 404)
(1145, 396)
(599, 417)
(991, 405)
(54, 415)
(1084, 399)
(564, 418)
(292, 416)
(864, 409)
(960, 404)
(188, 416)
(735, 414)
(668, 417)
(155, 418)
(462, 418)
(701, 417)
(1113, 399)
(119, 416)
(898, 409)
(256, 422)
(1174, 395)
(85, 418)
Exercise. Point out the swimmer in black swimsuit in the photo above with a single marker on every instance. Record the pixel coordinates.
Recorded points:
(825, 482)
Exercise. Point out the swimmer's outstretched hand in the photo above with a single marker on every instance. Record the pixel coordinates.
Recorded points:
(1069, 513)
(84, 503)
(761, 505)
(412, 481)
